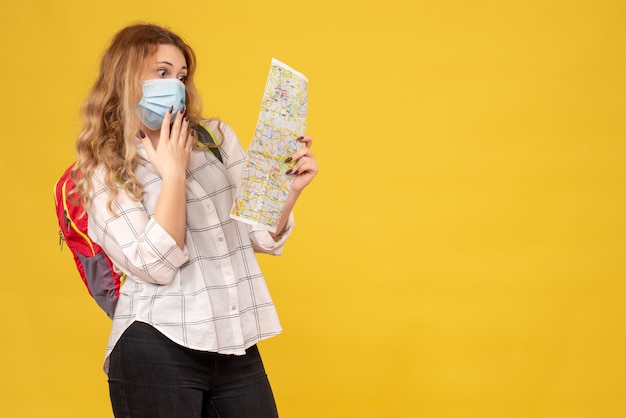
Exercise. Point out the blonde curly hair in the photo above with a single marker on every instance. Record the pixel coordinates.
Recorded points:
(110, 113)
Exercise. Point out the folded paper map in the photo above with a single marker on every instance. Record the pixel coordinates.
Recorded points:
(263, 187)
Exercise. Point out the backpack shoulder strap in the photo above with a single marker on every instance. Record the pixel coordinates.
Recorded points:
(206, 136)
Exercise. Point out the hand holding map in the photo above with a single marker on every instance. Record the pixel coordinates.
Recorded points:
(264, 184)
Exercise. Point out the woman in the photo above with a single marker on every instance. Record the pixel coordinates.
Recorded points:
(194, 303)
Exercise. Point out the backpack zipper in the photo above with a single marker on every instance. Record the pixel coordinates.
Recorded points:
(70, 223)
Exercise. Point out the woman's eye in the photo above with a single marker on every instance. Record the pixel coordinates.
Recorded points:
(182, 78)
(161, 72)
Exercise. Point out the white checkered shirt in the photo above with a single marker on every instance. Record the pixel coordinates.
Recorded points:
(209, 296)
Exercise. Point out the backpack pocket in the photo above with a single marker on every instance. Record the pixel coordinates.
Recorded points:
(100, 281)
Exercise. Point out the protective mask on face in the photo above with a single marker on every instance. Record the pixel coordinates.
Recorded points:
(158, 96)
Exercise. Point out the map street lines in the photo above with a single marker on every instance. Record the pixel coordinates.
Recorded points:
(263, 189)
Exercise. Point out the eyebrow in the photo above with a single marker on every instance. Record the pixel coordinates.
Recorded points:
(170, 64)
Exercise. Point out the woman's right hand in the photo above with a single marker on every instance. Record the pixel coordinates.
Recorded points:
(169, 153)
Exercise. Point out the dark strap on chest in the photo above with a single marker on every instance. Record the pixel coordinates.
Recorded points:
(206, 137)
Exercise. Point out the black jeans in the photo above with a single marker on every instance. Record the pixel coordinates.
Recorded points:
(150, 376)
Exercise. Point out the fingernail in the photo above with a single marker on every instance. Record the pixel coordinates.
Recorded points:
(182, 110)
(288, 160)
(171, 109)
(142, 133)
(187, 118)
(300, 138)
(289, 171)
(193, 132)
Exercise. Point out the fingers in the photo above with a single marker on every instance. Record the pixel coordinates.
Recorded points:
(191, 139)
(306, 140)
(180, 133)
(145, 139)
(304, 171)
(304, 165)
(174, 128)
(165, 125)
(303, 152)
(304, 162)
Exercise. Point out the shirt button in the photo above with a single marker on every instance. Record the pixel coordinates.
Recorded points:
(233, 307)
(220, 239)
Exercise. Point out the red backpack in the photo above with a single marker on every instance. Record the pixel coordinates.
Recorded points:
(95, 267)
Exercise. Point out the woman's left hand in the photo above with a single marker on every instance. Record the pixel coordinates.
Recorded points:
(305, 167)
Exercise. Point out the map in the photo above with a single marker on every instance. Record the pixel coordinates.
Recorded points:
(263, 189)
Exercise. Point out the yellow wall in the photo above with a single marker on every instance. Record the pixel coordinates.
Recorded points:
(459, 255)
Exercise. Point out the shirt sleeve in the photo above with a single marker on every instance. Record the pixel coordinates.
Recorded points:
(135, 242)
(263, 242)
(234, 159)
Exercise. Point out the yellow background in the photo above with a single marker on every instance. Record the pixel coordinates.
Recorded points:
(461, 253)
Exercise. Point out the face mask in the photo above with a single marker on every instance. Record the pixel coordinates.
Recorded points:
(158, 96)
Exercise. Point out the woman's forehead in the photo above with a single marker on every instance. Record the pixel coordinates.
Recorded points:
(169, 54)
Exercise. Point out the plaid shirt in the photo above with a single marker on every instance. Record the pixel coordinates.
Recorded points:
(210, 295)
